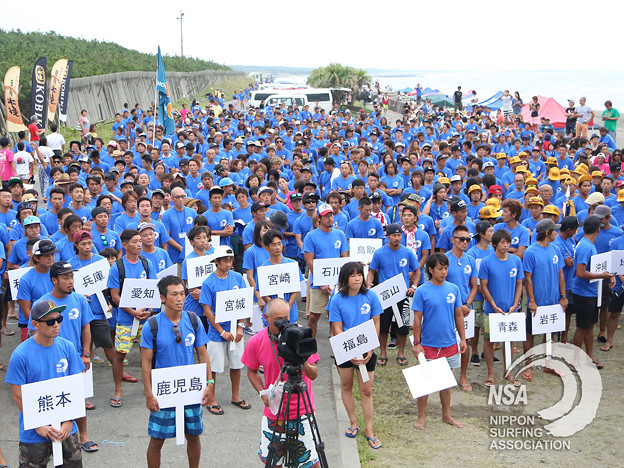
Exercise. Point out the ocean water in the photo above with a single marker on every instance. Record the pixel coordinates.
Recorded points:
(596, 86)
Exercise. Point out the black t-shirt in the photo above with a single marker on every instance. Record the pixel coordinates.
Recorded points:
(570, 120)
(458, 96)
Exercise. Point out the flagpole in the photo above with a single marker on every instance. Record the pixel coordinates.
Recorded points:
(155, 103)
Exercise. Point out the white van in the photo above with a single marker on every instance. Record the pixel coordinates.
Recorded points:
(313, 97)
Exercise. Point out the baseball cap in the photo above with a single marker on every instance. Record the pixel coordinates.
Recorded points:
(82, 234)
(488, 164)
(257, 206)
(474, 188)
(44, 247)
(324, 209)
(376, 196)
(329, 161)
(225, 182)
(595, 198)
(143, 226)
(60, 268)
(488, 212)
(546, 225)
(602, 211)
(551, 210)
(495, 189)
(24, 206)
(458, 205)
(160, 192)
(515, 160)
(222, 251)
(620, 196)
(393, 228)
(44, 308)
(295, 196)
(31, 220)
(596, 174)
(455, 178)
(535, 201)
(531, 190)
(584, 178)
(501, 156)
(214, 190)
(310, 196)
(279, 220)
(265, 189)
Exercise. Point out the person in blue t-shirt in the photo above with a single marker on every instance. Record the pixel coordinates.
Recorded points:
(391, 260)
(178, 220)
(134, 267)
(543, 278)
(365, 226)
(219, 220)
(437, 310)
(501, 277)
(219, 334)
(512, 211)
(176, 341)
(352, 305)
(584, 292)
(42, 357)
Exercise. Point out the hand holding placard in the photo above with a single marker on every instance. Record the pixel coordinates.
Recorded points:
(233, 305)
(354, 343)
(429, 377)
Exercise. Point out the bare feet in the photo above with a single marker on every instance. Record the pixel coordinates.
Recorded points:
(452, 422)
(420, 423)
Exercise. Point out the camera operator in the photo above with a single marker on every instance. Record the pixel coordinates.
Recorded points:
(261, 350)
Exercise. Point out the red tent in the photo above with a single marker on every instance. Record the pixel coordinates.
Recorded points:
(548, 108)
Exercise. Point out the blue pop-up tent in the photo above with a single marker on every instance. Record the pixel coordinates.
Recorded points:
(493, 102)
(406, 90)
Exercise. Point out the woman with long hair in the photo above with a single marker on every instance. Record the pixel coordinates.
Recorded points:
(352, 305)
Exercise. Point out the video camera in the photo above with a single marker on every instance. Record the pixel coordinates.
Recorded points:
(295, 343)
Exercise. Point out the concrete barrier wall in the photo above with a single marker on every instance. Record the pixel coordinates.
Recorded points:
(104, 95)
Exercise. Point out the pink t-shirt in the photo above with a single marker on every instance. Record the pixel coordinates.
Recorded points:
(6, 169)
(258, 353)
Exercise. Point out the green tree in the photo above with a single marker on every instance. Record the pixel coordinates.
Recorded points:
(336, 75)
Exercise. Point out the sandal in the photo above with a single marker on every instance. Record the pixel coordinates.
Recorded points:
(215, 409)
(89, 406)
(90, 446)
(527, 376)
(512, 380)
(598, 365)
(490, 382)
(382, 361)
(374, 442)
(7, 332)
(116, 402)
(241, 404)
(130, 378)
(466, 387)
(352, 432)
(402, 361)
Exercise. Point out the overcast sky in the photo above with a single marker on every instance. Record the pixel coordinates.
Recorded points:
(395, 34)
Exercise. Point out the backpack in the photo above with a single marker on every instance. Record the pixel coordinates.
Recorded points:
(122, 272)
(153, 324)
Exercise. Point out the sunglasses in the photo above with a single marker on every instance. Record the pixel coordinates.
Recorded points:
(462, 239)
(178, 335)
(51, 322)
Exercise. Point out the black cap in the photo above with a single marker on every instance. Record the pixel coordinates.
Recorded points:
(376, 196)
(60, 268)
(44, 247)
(279, 220)
(394, 228)
(295, 196)
(43, 308)
(217, 169)
(458, 205)
(257, 206)
(310, 196)
(592, 223)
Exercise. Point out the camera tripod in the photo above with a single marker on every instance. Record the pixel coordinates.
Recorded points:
(288, 446)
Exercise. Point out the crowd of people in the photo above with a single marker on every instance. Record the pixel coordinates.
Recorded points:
(476, 213)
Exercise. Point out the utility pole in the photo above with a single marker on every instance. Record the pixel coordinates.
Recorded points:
(181, 35)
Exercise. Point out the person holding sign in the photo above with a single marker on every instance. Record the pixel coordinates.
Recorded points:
(157, 255)
(219, 334)
(199, 237)
(437, 310)
(353, 305)
(322, 242)
(462, 272)
(543, 279)
(261, 351)
(42, 357)
(174, 343)
(255, 256)
(501, 277)
(585, 292)
(131, 265)
(393, 259)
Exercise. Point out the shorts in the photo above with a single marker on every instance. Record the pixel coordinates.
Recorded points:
(385, 320)
(370, 365)
(306, 446)
(616, 304)
(486, 326)
(123, 340)
(534, 120)
(477, 306)
(37, 455)
(586, 309)
(162, 423)
(100, 334)
(570, 309)
(606, 293)
(528, 320)
(217, 351)
(507, 113)
(318, 301)
(454, 361)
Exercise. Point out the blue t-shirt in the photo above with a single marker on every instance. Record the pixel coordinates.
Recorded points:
(132, 270)
(544, 264)
(390, 263)
(325, 245)
(31, 362)
(96, 308)
(169, 353)
(102, 241)
(582, 255)
(161, 236)
(218, 221)
(460, 271)
(438, 304)
(479, 254)
(209, 289)
(178, 223)
(353, 310)
(501, 276)
(159, 258)
(294, 312)
(370, 229)
(32, 287)
(519, 235)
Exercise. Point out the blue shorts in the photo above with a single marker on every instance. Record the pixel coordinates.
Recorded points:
(162, 423)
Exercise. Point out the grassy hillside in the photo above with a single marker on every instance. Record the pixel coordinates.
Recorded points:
(90, 58)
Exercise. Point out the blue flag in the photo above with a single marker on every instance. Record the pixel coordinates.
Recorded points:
(165, 114)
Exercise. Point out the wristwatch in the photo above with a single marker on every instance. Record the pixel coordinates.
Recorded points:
(469, 304)
(86, 355)
(563, 296)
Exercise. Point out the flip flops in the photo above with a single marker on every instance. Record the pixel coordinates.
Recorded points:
(90, 446)
(352, 432)
(130, 378)
(402, 361)
(215, 409)
(374, 442)
(116, 402)
(241, 404)
(7, 332)
(382, 361)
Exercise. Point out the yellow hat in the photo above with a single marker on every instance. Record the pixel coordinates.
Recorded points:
(514, 160)
(444, 181)
(584, 178)
(554, 174)
(620, 196)
(565, 170)
(551, 160)
(521, 169)
(530, 181)
(551, 210)
(535, 201)
(568, 180)
(531, 190)
(523, 154)
(583, 168)
(596, 174)
(501, 156)
(488, 212)
(475, 188)
(493, 202)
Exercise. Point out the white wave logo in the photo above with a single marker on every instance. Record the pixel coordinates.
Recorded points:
(421, 227)
(371, 232)
(337, 244)
(161, 265)
(365, 309)
(450, 298)
(73, 314)
(515, 240)
(467, 269)
(403, 262)
(555, 259)
(61, 366)
(142, 275)
(156, 235)
(112, 242)
(418, 244)
(445, 215)
(189, 220)
(223, 222)
(189, 340)
(513, 272)
(567, 417)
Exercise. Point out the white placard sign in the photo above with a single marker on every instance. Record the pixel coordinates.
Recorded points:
(92, 278)
(362, 249)
(177, 387)
(215, 241)
(326, 270)
(233, 305)
(171, 271)
(88, 382)
(14, 279)
(278, 279)
(601, 263)
(304, 288)
(617, 262)
(354, 343)
(390, 292)
(50, 402)
(469, 325)
(548, 319)
(507, 327)
(429, 376)
(478, 265)
(140, 294)
(198, 269)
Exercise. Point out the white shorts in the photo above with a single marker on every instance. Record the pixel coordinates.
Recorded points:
(217, 351)
(307, 448)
